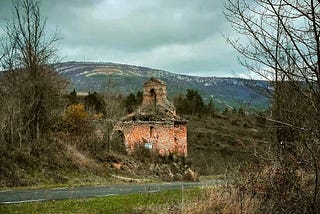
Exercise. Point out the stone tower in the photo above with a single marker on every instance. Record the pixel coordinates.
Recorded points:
(155, 99)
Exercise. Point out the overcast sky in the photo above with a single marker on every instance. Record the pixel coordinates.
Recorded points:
(180, 36)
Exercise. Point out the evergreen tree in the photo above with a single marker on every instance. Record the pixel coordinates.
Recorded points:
(210, 109)
(190, 104)
(73, 97)
(194, 101)
(130, 102)
(95, 103)
(139, 98)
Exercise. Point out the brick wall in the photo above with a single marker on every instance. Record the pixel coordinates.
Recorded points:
(163, 137)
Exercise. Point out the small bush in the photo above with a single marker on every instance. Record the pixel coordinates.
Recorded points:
(144, 154)
(75, 119)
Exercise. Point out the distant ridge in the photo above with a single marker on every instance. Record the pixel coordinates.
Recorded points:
(101, 76)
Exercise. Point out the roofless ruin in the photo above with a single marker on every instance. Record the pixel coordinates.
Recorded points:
(155, 124)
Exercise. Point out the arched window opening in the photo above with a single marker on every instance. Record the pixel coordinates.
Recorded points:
(154, 98)
(152, 132)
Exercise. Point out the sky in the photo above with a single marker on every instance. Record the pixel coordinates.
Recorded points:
(179, 36)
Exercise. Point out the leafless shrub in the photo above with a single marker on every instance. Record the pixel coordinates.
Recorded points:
(283, 46)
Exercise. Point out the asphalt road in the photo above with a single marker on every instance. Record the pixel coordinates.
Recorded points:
(25, 196)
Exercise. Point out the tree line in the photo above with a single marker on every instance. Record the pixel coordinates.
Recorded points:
(191, 103)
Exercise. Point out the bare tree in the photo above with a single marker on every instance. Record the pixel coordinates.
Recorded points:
(281, 42)
(29, 87)
(114, 111)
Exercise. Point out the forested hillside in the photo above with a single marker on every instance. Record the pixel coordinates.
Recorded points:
(224, 92)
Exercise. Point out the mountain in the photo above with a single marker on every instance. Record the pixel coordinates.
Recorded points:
(225, 92)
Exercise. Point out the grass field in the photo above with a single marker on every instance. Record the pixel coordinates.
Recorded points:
(159, 202)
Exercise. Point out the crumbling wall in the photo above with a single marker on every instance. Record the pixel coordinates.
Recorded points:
(162, 137)
(180, 139)
(155, 124)
(155, 99)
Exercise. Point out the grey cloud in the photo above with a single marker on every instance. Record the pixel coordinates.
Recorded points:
(145, 27)
(179, 36)
(5, 9)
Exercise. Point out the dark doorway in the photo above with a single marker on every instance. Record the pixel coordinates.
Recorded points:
(154, 98)
(117, 143)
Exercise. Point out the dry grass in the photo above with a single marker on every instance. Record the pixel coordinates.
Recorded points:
(212, 200)
(221, 201)
(224, 202)
(220, 143)
(80, 159)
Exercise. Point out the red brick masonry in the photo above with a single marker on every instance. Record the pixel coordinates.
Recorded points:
(162, 137)
(155, 124)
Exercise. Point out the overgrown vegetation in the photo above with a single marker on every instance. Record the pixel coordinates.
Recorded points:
(223, 143)
(50, 138)
(284, 47)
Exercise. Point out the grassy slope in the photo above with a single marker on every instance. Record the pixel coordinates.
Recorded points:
(223, 142)
(214, 145)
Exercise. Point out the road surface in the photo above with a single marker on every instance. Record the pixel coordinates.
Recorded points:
(24, 196)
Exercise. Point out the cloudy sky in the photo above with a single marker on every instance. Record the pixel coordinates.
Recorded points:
(180, 36)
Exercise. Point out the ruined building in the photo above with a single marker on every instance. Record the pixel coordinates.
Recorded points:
(154, 124)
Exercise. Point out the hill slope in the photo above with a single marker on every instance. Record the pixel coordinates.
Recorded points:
(225, 92)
